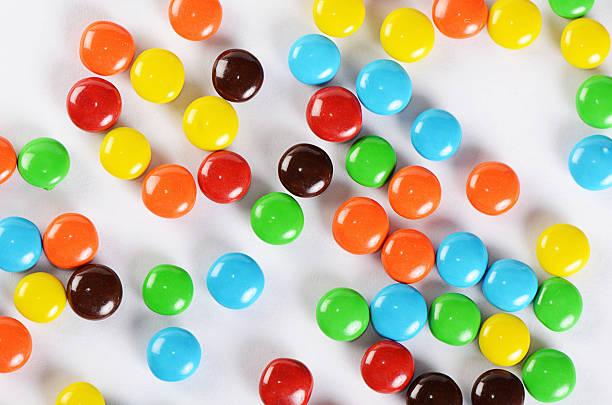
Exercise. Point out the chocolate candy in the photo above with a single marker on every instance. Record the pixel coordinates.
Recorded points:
(498, 387)
(285, 381)
(434, 388)
(305, 170)
(387, 367)
(94, 292)
(237, 75)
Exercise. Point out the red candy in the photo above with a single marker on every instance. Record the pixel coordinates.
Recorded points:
(285, 382)
(334, 114)
(93, 104)
(387, 367)
(224, 177)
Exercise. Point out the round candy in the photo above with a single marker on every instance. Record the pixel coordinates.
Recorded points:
(594, 101)
(210, 123)
(169, 191)
(106, 48)
(571, 8)
(436, 134)
(8, 160)
(80, 393)
(407, 35)
(70, 241)
(285, 381)
(305, 170)
(387, 367)
(173, 354)
(314, 59)
(558, 304)
(563, 250)
(235, 280)
(370, 161)
(454, 319)
(590, 162)
(434, 388)
(338, 18)
(277, 219)
(504, 339)
(585, 43)
(399, 312)
(343, 314)
(224, 177)
(20, 244)
(414, 192)
(237, 75)
(407, 256)
(549, 375)
(157, 75)
(498, 387)
(94, 292)
(460, 18)
(462, 259)
(125, 153)
(384, 87)
(195, 20)
(43, 162)
(493, 188)
(334, 114)
(514, 24)
(93, 104)
(360, 225)
(40, 297)
(167, 289)
(16, 344)
(510, 285)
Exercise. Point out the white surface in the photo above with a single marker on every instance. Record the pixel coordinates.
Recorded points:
(515, 106)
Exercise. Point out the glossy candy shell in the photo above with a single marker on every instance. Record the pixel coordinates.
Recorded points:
(558, 304)
(342, 314)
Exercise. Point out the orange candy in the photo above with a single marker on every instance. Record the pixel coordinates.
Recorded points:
(106, 48)
(70, 241)
(195, 20)
(493, 188)
(360, 225)
(414, 192)
(408, 256)
(169, 191)
(8, 160)
(460, 18)
(15, 344)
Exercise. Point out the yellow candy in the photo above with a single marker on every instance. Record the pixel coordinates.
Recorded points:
(338, 18)
(40, 297)
(563, 250)
(504, 339)
(125, 153)
(80, 393)
(157, 75)
(514, 24)
(407, 35)
(585, 43)
(210, 123)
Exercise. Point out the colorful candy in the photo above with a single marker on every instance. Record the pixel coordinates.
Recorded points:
(8, 160)
(43, 162)
(594, 101)
(106, 48)
(436, 134)
(585, 43)
(338, 18)
(40, 297)
(414, 192)
(125, 153)
(169, 191)
(20, 244)
(342, 314)
(334, 114)
(514, 24)
(558, 304)
(510, 285)
(167, 289)
(504, 339)
(305, 170)
(157, 75)
(93, 104)
(80, 393)
(70, 241)
(493, 188)
(434, 388)
(407, 35)
(571, 8)
(563, 250)
(454, 319)
(16, 344)
(277, 219)
(195, 20)
(399, 312)
(462, 259)
(285, 381)
(360, 225)
(237, 75)
(590, 163)
(235, 280)
(460, 18)
(94, 292)
(384, 87)
(173, 354)
(224, 177)
(370, 161)
(407, 256)
(210, 123)
(549, 375)
(498, 387)
(387, 367)
(314, 59)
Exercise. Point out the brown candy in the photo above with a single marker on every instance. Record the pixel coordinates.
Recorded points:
(305, 170)
(498, 387)
(94, 292)
(237, 75)
(434, 389)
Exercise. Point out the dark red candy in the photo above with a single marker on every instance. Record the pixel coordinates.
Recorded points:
(237, 75)
(93, 104)
(434, 389)
(285, 382)
(224, 177)
(498, 387)
(305, 170)
(94, 292)
(387, 367)
(334, 114)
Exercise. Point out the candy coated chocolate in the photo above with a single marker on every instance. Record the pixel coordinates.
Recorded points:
(433, 389)
(387, 367)
(305, 170)
(286, 382)
(498, 387)
(237, 75)
(224, 177)
(94, 292)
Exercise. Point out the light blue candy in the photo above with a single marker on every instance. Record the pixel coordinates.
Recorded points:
(398, 312)
(436, 134)
(510, 285)
(590, 162)
(173, 354)
(462, 259)
(384, 87)
(20, 244)
(235, 281)
(314, 59)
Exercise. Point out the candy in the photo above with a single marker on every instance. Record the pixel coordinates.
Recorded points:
(549, 375)
(334, 114)
(563, 250)
(462, 259)
(277, 219)
(125, 153)
(16, 344)
(498, 387)
(169, 191)
(590, 163)
(504, 339)
(434, 388)
(305, 170)
(93, 104)
(210, 123)
(436, 134)
(407, 256)
(157, 75)
(360, 225)
(407, 35)
(370, 161)
(338, 18)
(20, 244)
(384, 87)
(235, 280)
(510, 285)
(224, 177)
(106, 48)
(414, 192)
(558, 304)
(399, 312)
(80, 393)
(571, 8)
(70, 241)
(342, 314)
(454, 319)
(585, 43)
(195, 20)
(285, 381)
(514, 24)
(460, 18)
(387, 367)
(493, 188)
(40, 297)
(43, 162)
(594, 101)
(173, 354)
(314, 59)
(8, 160)
(94, 292)
(237, 75)
(167, 289)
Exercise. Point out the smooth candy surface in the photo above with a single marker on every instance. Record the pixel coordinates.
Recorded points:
(43, 162)
(169, 191)
(460, 18)
(384, 87)
(106, 48)
(360, 225)
(558, 304)
(462, 259)
(334, 114)
(285, 381)
(510, 285)
(549, 375)
(305, 170)
(571, 8)
(370, 161)
(167, 289)
(594, 101)
(407, 35)
(210, 123)
(224, 177)
(237, 75)
(407, 256)
(387, 367)
(195, 20)
(173, 354)
(399, 312)
(498, 387)
(20, 244)
(8, 160)
(80, 393)
(414, 192)
(125, 153)
(585, 43)
(70, 241)
(434, 388)
(436, 134)
(93, 104)
(235, 280)
(563, 250)
(157, 75)
(338, 18)
(493, 188)
(16, 344)
(94, 292)
(514, 24)
(277, 219)
(342, 314)
(40, 297)
(590, 163)
(314, 59)
(454, 319)
(504, 339)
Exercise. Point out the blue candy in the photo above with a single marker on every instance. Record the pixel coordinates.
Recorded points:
(20, 244)
(314, 59)
(462, 259)
(235, 280)
(384, 87)
(510, 285)
(398, 312)
(590, 162)
(436, 134)
(173, 354)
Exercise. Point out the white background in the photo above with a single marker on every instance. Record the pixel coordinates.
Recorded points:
(514, 106)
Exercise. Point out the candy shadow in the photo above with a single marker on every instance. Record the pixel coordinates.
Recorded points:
(252, 362)
(337, 193)
(258, 189)
(52, 381)
(139, 268)
(534, 223)
(144, 325)
(418, 103)
(314, 286)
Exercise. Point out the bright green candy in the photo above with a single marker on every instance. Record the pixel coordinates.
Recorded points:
(454, 319)
(549, 375)
(571, 8)
(558, 304)
(167, 289)
(343, 314)
(276, 218)
(594, 101)
(43, 162)
(370, 161)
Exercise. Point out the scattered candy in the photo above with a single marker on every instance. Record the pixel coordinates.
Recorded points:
(510, 285)
(210, 123)
(338, 18)
(360, 225)
(407, 256)
(498, 387)
(20, 244)
(40, 297)
(549, 375)
(169, 191)
(16, 344)
(94, 292)
(342, 314)
(235, 280)
(571, 8)
(434, 388)
(106, 48)
(563, 250)
(334, 114)
(514, 24)
(8, 160)
(387, 367)
(370, 161)
(80, 393)
(277, 219)
(504, 339)
(585, 43)
(237, 75)
(436, 134)
(462, 259)
(93, 104)
(594, 101)
(590, 163)
(305, 170)
(460, 18)
(125, 153)
(414, 192)
(70, 241)
(493, 187)
(399, 312)
(224, 177)
(384, 87)
(558, 304)
(43, 162)
(157, 75)
(167, 289)
(407, 35)
(173, 354)
(454, 319)
(285, 381)
(314, 59)
(195, 20)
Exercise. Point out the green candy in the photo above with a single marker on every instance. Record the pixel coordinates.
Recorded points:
(276, 218)
(167, 290)
(558, 304)
(370, 161)
(571, 8)
(454, 319)
(43, 162)
(343, 314)
(549, 375)
(594, 101)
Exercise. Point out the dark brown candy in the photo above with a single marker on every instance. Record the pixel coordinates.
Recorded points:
(237, 75)
(434, 389)
(498, 387)
(305, 170)
(94, 292)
